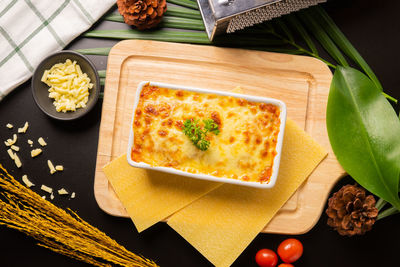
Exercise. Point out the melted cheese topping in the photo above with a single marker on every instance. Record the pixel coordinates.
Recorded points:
(244, 149)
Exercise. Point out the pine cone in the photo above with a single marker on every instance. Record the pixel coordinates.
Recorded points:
(144, 14)
(351, 212)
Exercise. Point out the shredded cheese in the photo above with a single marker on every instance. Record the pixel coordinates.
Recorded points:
(15, 148)
(51, 167)
(46, 189)
(52, 196)
(62, 191)
(10, 153)
(24, 128)
(73, 195)
(44, 197)
(17, 161)
(36, 152)
(26, 181)
(9, 126)
(41, 141)
(30, 142)
(59, 167)
(10, 142)
(69, 86)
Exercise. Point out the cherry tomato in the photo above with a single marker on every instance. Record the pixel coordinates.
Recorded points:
(285, 265)
(290, 250)
(266, 258)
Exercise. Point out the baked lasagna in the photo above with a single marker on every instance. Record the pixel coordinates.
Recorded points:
(243, 148)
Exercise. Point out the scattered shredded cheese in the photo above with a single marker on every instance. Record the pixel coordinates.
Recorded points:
(23, 129)
(26, 181)
(30, 142)
(10, 142)
(51, 196)
(41, 141)
(62, 191)
(36, 152)
(73, 195)
(69, 86)
(17, 161)
(44, 197)
(16, 148)
(10, 153)
(59, 167)
(51, 167)
(46, 189)
(9, 126)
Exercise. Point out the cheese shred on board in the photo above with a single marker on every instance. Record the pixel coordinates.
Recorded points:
(69, 86)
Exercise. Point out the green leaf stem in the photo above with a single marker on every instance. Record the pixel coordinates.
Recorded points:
(296, 24)
(342, 42)
(323, 37)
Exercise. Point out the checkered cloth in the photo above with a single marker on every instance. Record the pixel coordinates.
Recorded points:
(32, 29)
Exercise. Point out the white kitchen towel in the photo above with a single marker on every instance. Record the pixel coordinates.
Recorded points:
(30, 30)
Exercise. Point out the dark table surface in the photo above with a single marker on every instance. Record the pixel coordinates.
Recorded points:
(372, 26)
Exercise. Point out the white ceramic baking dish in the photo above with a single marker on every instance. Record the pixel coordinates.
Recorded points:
(275, 168)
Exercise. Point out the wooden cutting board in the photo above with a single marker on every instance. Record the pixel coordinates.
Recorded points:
(301, 82)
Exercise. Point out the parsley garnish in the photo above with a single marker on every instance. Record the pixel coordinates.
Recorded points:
(197, 135)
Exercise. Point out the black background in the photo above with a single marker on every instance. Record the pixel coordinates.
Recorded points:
(374, 29)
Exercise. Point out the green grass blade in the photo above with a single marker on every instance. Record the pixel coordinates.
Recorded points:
(158, 35)
(99, 51)
(276, 50)
(296, 24)
(177, 11)
(182, 23)
(343, 43)
(173, 11)
(323, 37)
(235, 40)
(284, 28)
(196, 37)
(116, 17)
(168, 22)
(185, 3)
(102, 73)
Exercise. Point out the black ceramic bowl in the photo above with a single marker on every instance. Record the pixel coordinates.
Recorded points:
(40, 89)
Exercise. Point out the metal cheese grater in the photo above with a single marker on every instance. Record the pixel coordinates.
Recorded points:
(222, 16)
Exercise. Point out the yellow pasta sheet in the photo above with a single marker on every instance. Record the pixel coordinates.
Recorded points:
(224, 222)
(151, 196)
